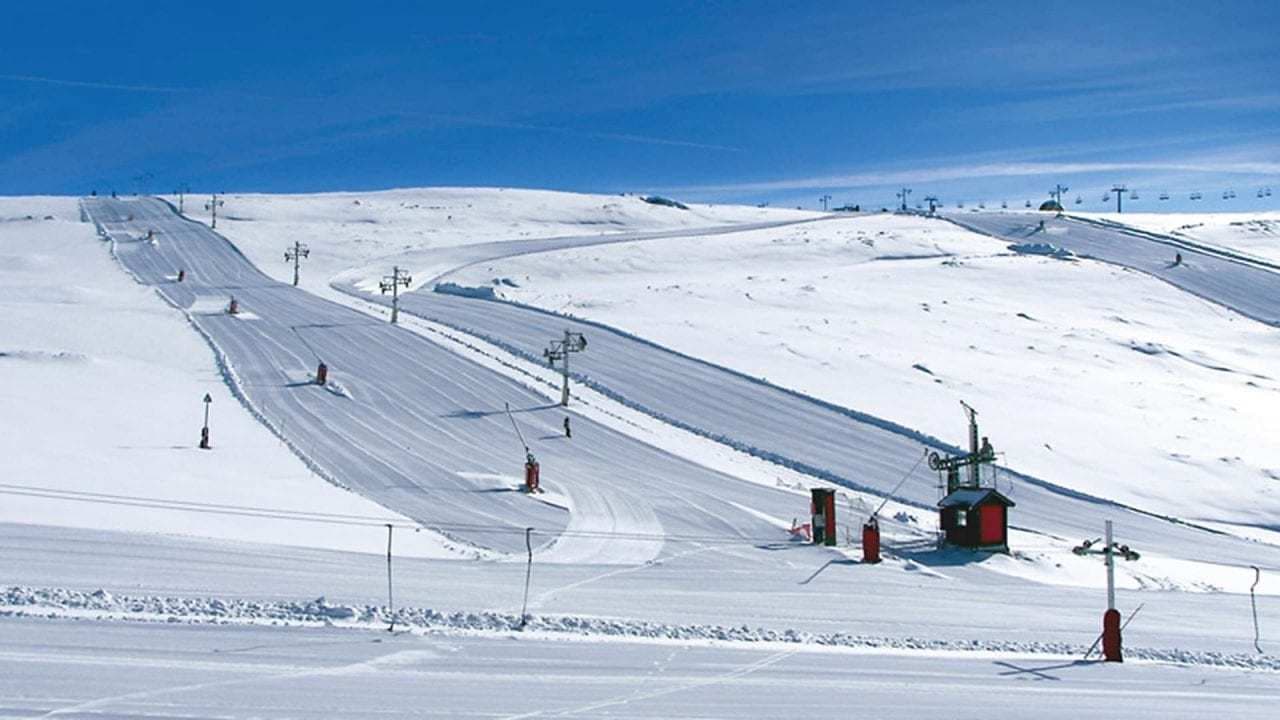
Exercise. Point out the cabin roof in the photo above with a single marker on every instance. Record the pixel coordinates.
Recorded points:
(972, 497)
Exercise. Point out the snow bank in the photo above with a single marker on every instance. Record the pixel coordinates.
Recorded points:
(1046, 249)
(18, 601)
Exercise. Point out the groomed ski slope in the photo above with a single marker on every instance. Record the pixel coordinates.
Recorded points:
(1085, 374)
(138, 671)
(101, 408)
(1235, 283)
(417, 428)
(797, 431)
(715, 624)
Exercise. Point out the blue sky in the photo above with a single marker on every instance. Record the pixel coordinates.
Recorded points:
(738, 101)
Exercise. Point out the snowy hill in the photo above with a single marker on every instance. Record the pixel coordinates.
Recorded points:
(662, 549)
(104, 382)
(1093, 377)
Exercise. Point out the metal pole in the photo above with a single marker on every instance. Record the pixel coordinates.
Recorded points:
(297, 257)
(564, 390)
(1253, 600)
(395, 294)
(1109, 555)
(528, 572)
(391, 608)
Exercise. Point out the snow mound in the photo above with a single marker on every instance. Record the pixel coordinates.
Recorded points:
(478, 292)
(21, 601)
(1045, 249)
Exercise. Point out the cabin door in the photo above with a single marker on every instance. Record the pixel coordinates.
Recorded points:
(992, 525)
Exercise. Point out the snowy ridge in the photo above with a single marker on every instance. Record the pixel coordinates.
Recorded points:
(20, 601)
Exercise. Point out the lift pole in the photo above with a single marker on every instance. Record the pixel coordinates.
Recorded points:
(1057, 191)
(392, 283)
(296, 253)
(560, 350)
(1119, 190)
(933, 204)
(902, 194)
(1111, 645)
(212, 206)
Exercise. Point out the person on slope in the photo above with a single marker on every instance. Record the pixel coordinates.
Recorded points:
(1177, 259)
(567, 432)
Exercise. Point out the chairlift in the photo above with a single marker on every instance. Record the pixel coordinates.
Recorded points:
(1196, 196)
(1226, 194)
(1079, 200)
(1106, 197)
(1004, 205)
(1268, 191)
(1133, 194)
(1260, 194)
(960, 204)
(1164, 196)
(982, 206)
(1028, 203)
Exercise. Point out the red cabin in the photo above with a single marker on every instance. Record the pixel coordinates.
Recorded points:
(976, 518)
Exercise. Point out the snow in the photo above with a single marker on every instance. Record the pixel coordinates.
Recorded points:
(649, 605)
(148, 670)
(902, 317)
(103, 389)
(351, 230)
(1253, 234)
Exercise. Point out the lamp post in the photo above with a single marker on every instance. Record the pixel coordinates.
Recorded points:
(204, 431)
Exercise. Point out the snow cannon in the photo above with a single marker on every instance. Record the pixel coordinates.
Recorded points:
(531, 474)
(823, 508)
(322, 374)
(233, 307)
(1111, 651)
(871, 541)
(204, 438)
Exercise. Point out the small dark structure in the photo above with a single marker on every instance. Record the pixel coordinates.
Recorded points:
(1051, 206)
(970, 515)
(976, 518)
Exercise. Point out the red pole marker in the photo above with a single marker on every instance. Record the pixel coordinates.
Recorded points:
(531, 471)
(322, 374)
(1111, 636)
(871, 541)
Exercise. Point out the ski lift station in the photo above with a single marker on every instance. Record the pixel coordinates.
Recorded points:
(972, 515)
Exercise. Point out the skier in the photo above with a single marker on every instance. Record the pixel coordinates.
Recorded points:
(1041, 226)
(1177, 259)
(567, 432)
(182, 275)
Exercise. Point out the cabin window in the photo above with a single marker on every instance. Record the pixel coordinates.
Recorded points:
(962, 517)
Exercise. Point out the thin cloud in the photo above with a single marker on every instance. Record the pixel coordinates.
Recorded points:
(574, 132)
(95, 85)
(988, 170)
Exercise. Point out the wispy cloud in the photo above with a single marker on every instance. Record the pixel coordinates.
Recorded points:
(989, 170)
(95, 85)
(573, 132)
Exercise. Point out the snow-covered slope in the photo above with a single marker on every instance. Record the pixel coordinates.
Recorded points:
(103, 383)
(1090, 376)
(1253, 234)
(349, 230)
